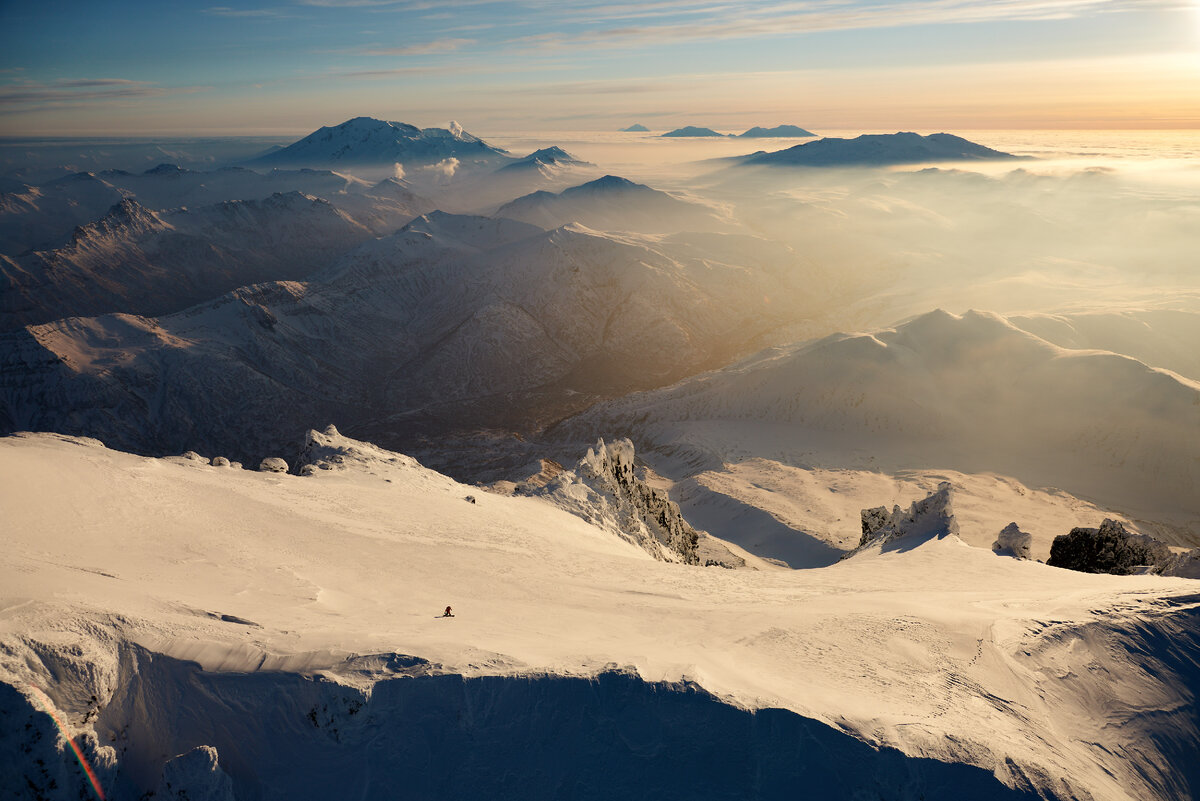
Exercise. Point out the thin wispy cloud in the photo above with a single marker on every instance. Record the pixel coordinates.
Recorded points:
(716, 22)
(421, 49)
(262, 13)
(80, 92)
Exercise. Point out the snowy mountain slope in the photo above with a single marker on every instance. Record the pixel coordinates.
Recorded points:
(450, 324)
(1158, 337)
(804, 515)
(44, 216)
(873, 150)
(971, 393)
(292, 624)
(612, 203)
(135, 261)
(545, 159)
(169, 186)
(364, 141)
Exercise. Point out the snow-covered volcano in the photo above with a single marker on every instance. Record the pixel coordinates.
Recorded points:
(208, 632)
(365, 141)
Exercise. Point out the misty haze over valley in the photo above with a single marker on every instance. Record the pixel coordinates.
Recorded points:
(746, 464)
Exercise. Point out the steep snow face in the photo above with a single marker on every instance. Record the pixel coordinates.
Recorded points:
(616, 204)
(370, 142)
(875, 150)
(292, 625)
(451, 323)
(973, 393)
(136, 261)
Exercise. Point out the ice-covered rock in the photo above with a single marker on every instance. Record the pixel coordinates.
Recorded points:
(195, 776)
(329, 450)
(1111, 548)
(1011, 541)
(1182, 565)
(929, 518)
(273, 464)
(605, 489)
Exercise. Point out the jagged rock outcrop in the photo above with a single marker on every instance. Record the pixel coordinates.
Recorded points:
(1182, 565)
(604, 489)
(1111, 548)
(929, 518)
(195, 775)
(1011, 541)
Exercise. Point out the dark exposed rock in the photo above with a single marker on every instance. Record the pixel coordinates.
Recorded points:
(1108, 549)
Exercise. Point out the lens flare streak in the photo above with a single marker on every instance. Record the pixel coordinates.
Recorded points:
(48, 707)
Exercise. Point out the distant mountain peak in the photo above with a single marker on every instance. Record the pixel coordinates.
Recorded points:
(780, 131)
(692, 130)
(876, 150)
(607, 183)
(636, 128)
(371, 142)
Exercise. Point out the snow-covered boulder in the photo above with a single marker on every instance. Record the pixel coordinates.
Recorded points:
(1011, 541)
(220, 461)
(192, 456)
(1107, 549)
(929, 518)
(273, 464)
(195, 776)
(329, 450)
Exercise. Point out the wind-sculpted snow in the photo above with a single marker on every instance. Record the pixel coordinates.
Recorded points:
(140, 262)
(285, 736)
(1012, 541)
(450, 324)
(928, 518)
(198, 630)
(973, 393)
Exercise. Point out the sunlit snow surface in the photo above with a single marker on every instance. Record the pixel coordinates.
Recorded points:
(1079, 683)
(209, 632)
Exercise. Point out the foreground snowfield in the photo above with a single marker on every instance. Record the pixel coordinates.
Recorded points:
(280, 588)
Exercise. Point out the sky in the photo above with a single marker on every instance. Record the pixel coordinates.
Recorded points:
(167, 67)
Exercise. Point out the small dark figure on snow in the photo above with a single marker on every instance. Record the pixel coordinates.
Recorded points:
(447, 613)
